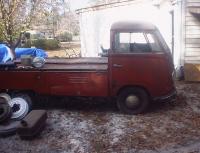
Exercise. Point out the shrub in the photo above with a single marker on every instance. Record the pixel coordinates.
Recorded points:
(65, 37)
(47, 44)
(51, 44)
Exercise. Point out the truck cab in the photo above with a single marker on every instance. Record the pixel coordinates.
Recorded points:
(140, 66)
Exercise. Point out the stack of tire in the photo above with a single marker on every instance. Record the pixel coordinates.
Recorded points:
(12, 110)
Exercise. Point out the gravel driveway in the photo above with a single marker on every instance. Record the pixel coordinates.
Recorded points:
(97, 126)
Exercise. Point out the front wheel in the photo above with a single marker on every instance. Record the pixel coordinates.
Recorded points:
(133, 101)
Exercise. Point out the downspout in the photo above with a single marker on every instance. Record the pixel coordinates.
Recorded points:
(183, 9)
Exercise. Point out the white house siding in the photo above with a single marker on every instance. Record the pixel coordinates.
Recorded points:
(192, 32)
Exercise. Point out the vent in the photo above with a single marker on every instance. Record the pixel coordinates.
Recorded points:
(78, 79)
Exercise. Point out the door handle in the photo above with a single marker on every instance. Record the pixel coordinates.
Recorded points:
(117, 65)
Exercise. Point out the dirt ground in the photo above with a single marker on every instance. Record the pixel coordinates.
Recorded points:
(66, 50)
(96, 126)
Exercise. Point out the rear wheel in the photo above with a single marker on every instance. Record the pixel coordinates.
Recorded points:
(133, 101)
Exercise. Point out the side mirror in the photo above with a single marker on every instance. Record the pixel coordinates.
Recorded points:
(104, 52)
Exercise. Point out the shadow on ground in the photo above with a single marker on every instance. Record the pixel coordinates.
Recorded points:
(98, 104)
(76, 104)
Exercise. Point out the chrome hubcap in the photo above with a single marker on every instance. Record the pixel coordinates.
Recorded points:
(132, 101)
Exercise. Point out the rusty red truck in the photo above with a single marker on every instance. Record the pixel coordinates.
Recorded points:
(136, 70)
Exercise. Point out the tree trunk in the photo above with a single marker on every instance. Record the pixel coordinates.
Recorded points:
(14, 45)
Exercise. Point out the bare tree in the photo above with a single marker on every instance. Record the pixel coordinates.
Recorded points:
(16, 16)
(59, 18)
(19, 15)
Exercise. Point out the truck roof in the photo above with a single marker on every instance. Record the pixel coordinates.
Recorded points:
(137, 25)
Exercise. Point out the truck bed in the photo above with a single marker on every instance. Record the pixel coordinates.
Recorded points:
(66, 77)
(63, 64)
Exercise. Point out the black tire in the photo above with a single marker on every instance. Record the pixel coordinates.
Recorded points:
(5, 111)
(8, 128)
(133, 101)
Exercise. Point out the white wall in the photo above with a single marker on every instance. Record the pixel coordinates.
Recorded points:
(95, 25)
(179, 40)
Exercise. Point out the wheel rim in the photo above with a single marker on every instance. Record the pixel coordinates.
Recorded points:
(20, 108)
(5, 96)
(132, 101)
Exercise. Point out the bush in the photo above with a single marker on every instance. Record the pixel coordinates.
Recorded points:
(27, 44)
(47, 44)
(65, 37)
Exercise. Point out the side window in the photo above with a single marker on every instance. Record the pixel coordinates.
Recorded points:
(122, 42)
(154, 43)
(131, 42)
(139, 43)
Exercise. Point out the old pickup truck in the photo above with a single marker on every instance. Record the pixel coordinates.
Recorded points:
(136, 70)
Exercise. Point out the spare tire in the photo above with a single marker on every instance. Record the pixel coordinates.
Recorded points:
(25, 97)
(5, 110)
(20, 108)
(5, 96)
(9, 128)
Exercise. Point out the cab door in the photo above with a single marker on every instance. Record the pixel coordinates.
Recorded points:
(138, 59)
